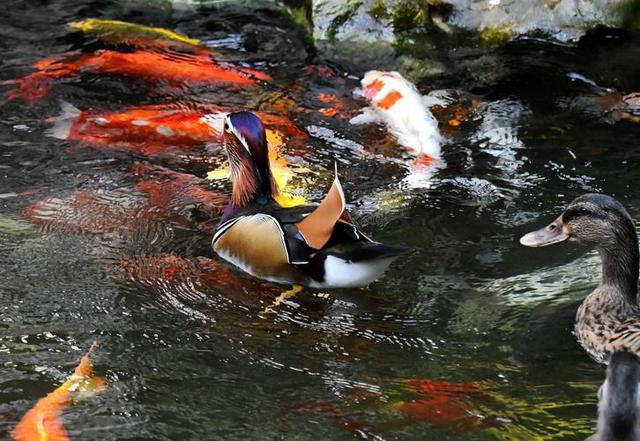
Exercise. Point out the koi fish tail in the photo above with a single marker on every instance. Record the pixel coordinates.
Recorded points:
(429, 141)
(32, 87)
(437, 98)
(258, 75)
(62, 123)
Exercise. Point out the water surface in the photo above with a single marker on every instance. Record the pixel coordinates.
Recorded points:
(191, 347)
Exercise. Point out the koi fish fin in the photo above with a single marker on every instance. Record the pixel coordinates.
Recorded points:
(436, 98)
(62, 123)
(367, 116)
(317, 226)
(257, 74)
(85, 368)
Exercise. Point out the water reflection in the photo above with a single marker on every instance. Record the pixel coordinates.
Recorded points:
(106, 236)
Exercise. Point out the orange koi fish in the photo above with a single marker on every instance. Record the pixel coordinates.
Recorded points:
(173, 68)
(169, 191)
(168, 271)
(43, 422)
(150, 130)
(83, 213)
(442, 403)
(170, 197)
(153, 129)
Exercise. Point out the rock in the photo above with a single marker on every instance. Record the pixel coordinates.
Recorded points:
(492, 20)
(562, 20)
(366, 20)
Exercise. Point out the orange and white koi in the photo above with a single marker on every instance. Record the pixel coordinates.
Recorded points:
(152, 129)
(396, 102)
(43, 422)
(172, 68)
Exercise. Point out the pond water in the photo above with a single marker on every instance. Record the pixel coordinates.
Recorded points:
(467, 338)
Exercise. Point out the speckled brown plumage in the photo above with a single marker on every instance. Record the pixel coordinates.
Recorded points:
(609, 318)
(605, 323)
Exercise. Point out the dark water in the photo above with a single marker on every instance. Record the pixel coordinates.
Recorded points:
(191, 348)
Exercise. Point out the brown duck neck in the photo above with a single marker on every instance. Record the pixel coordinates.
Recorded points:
(620, 264)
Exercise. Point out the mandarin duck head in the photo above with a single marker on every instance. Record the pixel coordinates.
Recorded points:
(245, 142)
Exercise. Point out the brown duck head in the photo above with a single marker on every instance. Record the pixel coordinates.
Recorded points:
(601, 222)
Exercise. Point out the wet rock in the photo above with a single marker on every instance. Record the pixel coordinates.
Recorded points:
(492, 20)
(563, 20)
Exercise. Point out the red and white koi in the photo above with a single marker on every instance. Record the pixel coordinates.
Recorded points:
(397, 103)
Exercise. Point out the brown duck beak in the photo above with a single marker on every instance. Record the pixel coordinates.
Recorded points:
(552, 233)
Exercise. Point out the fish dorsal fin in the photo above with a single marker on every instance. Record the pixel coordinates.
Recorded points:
(317, 226)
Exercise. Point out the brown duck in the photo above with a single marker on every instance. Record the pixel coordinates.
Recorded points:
(609, 318)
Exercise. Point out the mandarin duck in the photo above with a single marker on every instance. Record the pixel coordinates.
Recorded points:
(316, 246)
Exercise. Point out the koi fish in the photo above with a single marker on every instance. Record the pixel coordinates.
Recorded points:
(441, 402)
(84, 212)
(169, 191)
(166, 272)
(603, 102)
(173, 68)
(152, 129)
(133, 34)
(170, 196)
(43, 421)
(397, 103)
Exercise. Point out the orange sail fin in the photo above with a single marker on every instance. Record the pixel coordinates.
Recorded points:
(317, 227)
(43, 422)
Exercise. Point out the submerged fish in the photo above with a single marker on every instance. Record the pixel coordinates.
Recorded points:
(171, 193)
(604, 103)
(169, 196)
(43, 421)
(116, 31)
(397, 103)
(440, 402)
(84, 212)
(152, 129)
(171, 274)
(175, 69)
